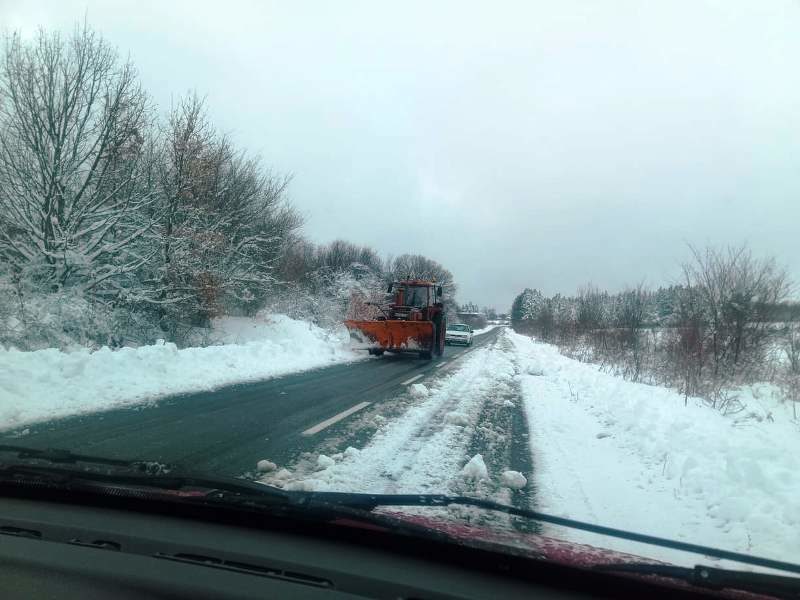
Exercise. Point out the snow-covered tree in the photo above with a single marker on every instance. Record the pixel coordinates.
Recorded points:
(73, 126)
(344, 256)
(220, 223)
(739, 294)
(417, 266)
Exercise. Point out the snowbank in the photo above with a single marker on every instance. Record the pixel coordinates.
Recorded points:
(46, 384)
(637, 457)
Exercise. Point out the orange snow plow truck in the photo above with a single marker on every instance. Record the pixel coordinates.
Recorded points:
(412, 321)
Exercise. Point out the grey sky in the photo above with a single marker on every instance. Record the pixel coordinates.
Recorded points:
(541, 144)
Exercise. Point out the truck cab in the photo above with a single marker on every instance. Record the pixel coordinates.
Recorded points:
(412, 300)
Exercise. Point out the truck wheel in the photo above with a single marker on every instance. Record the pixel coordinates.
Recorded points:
(375, 352)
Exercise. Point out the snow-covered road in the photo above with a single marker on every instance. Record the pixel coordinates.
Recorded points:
(603, 450)
(427, 449)
(230, 425)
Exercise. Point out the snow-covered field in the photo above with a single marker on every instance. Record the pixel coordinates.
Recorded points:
(604, 450)
(45, 384)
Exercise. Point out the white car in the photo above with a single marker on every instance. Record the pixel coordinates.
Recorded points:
(458, 333)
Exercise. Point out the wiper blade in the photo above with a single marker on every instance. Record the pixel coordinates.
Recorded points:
(58, 455)
(372, 501)
(69, 477)
(223, 492)
(239, 492)
(715, 579)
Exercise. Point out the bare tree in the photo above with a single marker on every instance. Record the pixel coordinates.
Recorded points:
(739, 294)
(73, 121)
(221, 223)
(631, 308)
(715, 331)
(421, 267)
(343, 256)
(591, 308)
(630, 316)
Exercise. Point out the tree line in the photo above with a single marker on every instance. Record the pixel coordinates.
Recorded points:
(122, 225)
(728, 321)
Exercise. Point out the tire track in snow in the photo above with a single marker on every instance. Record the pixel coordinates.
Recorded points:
(424, 449)
(503, 440)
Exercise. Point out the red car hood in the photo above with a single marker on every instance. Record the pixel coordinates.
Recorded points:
(542, 547)
(533, 545)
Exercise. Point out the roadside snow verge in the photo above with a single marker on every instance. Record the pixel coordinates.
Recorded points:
(48, 384)
(640, 458)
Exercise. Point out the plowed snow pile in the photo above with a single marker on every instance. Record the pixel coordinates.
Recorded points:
(639, 457)
(46, 384)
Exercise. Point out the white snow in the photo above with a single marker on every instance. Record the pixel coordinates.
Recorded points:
(323, 462)
(306, 485)
(424, 451)
(514, 479)
(418, 390)
(604, 450)
(265, 466)
(475, 469)
(46, 384)
(638, 457)
(283, 474)
(456, 418)
(485, 329)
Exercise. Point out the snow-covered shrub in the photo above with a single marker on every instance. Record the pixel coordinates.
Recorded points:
(327, 297)
(714, 332)
(32, 319)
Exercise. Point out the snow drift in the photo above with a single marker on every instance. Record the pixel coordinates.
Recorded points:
(46, 384)
(646, 459)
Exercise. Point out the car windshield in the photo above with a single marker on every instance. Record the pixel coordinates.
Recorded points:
(207, 218)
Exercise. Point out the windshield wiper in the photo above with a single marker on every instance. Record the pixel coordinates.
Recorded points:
(247, 494)
(132, 474)
(181, 488)
(372, 501)
(58, 455)
(714, 578)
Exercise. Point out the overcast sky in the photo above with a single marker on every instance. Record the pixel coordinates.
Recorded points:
(530, 144)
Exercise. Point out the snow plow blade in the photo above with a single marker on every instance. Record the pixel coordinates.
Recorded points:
(394, 336)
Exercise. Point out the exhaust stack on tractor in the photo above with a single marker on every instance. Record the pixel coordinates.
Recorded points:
(413, 321)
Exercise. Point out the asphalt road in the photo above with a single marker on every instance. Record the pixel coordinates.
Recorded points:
(229, 429)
